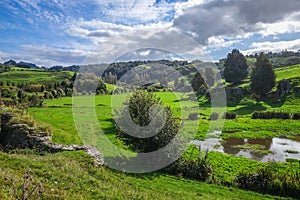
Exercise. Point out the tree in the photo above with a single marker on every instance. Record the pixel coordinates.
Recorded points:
(139, 105)
(236, 67)
(263, 78)
(209, 77)
(198, 82)
(101, 87)
(22, 96)
(35, 100)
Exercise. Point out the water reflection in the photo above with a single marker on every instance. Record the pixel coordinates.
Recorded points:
(280, 148)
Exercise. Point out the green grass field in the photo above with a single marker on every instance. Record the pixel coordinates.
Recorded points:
(59, 117)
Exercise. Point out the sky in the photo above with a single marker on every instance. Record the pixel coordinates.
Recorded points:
(67, 32)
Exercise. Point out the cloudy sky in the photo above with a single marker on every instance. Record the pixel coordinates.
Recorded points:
(65, 32)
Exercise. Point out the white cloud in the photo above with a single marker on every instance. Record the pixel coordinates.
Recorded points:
(282, 27)
(181, 6)
(257, 47)
(108, 29)
(235, 18)
(42, 55)
(156, 36)
(220, 42)
(134, 11)
(145, 53)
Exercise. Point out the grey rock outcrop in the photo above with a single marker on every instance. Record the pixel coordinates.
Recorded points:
(22, 136)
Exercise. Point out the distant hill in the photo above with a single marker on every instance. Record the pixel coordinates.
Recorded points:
(21, 64)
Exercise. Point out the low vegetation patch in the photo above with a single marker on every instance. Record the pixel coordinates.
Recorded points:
(271, 115)
(197, 169)
(291, 151)
(267, 180)
(229, 115)
(256, 148)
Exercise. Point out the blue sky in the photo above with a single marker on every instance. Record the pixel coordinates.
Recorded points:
(65, 32)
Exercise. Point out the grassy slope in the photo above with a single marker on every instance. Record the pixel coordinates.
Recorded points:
(33, 76)
(289, 72)
(71, 175)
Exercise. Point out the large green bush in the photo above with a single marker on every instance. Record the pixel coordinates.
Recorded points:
(139, 105)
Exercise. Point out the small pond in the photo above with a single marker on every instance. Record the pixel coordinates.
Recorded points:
(264, 150)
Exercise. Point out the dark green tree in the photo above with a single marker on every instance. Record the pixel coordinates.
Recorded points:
(139, 105)
(22, 96)
(198, 82)
(263, 77)
(101, 87)
(35, 100)
(236, 67)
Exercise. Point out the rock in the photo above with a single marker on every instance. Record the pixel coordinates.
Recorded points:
(6, 117)
(283, 88)
(235, 93)
(15, 135)
(22, 136)
(98, 157)
(92, 151)
(193, 116)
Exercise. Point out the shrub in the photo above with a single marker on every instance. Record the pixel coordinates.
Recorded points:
(139, 106)
(266, 180)
(271, 115)
(199, 169)
(296, 116)
(259, 181)
(229, 115)
(214, 116)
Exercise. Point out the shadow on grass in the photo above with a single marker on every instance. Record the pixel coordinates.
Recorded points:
(101, 105)
(249, 109)
(276, 103)
(111, 129)
(124, 166)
